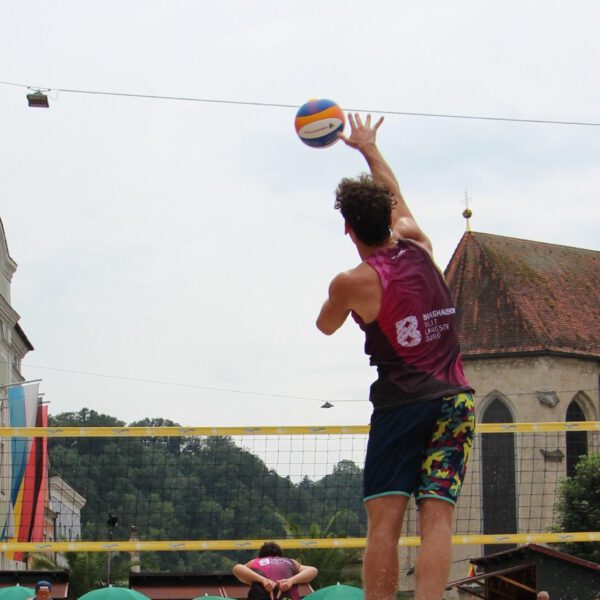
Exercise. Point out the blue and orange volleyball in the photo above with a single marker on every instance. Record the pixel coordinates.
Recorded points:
(318, 122)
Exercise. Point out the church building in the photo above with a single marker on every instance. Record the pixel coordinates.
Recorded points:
(528, 318)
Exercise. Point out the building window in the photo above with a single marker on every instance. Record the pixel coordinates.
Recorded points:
(498, 477)
(576, 441)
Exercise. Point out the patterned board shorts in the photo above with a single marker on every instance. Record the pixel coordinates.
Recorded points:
(421, 448)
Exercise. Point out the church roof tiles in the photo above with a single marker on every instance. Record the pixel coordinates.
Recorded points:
(514, 296)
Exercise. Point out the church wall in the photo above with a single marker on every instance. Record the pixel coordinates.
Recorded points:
(517, 381)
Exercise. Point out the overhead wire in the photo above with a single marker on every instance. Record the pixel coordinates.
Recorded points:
(536, 121)
(178, 384)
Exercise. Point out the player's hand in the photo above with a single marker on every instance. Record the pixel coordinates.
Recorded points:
(361, 135)
(268, 584)
(285, 584)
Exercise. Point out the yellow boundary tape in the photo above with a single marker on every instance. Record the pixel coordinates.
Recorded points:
(215, 545)
(61, 432)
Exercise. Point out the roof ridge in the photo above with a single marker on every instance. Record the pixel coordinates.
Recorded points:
(517, 239)
(518, 295)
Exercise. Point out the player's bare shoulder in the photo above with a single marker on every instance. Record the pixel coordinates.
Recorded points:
(365, 274)
(366, 292)
(353, 280)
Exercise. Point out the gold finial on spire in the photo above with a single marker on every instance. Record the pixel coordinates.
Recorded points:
(467, 213)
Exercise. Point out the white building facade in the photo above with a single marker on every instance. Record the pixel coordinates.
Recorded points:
(65, 505)
(14, 345)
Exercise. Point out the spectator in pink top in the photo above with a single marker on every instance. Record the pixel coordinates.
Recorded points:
(272, 576)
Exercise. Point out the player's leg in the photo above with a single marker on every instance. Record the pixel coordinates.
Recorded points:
(442, 473)
(434, 558)
(392, 473)
(380, 561)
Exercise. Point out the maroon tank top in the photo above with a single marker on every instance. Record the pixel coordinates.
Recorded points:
(413, 341)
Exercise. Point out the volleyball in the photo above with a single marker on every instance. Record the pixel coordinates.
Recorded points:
(318, 122)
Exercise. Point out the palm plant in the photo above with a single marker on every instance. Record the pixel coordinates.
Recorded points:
(336, 565)
(87, 570)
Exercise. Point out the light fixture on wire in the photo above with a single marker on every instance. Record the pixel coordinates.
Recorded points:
(38, 99)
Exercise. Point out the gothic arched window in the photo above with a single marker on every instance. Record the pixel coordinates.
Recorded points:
(498, 477)
(576, 441)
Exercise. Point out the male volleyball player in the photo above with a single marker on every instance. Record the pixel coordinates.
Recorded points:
(423, 419)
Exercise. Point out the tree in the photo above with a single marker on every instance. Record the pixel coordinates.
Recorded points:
(578, 507)
(201, 488)
(346, 480)
(84, 418)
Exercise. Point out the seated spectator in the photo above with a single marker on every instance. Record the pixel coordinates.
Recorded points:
(272, 576)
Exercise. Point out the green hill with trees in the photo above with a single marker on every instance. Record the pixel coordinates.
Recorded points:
(191, 488)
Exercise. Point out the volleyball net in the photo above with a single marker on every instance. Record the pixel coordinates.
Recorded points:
(137, 489)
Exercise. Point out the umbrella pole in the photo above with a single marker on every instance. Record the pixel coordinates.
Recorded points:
(108, 569)
(111, 522)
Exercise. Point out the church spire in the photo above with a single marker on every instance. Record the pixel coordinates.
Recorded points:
(467, 213)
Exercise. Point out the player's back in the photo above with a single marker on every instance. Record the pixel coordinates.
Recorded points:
(413, 340)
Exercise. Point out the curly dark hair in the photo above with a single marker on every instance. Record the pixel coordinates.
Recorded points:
(366, 207)
(270, 549)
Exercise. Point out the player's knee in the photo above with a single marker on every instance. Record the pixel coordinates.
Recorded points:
(384, 528)
(435, 514)
(385, 519)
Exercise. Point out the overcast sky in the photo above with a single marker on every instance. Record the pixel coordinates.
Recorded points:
(192, 243)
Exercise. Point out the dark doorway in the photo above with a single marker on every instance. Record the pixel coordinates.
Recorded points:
(577, 441)
(498, 477)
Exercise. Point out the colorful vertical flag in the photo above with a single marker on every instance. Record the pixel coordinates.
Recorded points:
(35, 488)
(23, 469)
(6, 522)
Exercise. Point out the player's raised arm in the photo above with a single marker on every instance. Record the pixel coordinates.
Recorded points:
(363, 137)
